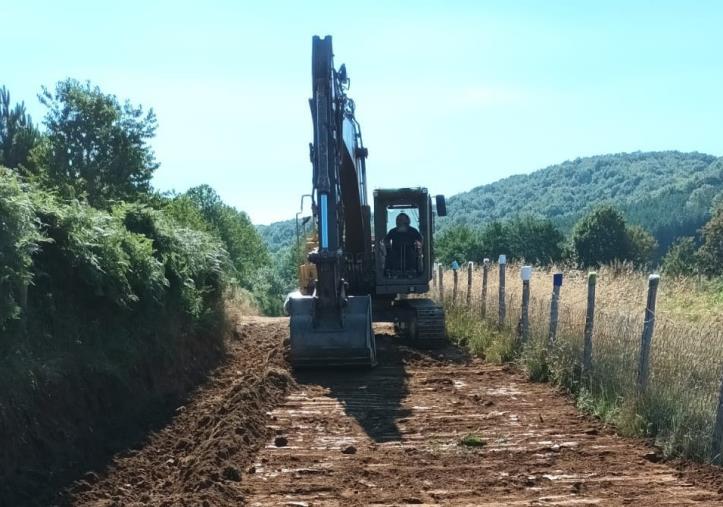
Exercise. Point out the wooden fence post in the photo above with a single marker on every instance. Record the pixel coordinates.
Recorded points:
(470, 268)
(440, 272)
(455, 281)
(434, 275)
(648, 328)
(589, 322)
(525, 274)
(485, 272)
(718, 429)
(502, 307)
(554, 308)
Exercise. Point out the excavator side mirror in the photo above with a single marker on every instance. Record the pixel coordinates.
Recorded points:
(441, 205)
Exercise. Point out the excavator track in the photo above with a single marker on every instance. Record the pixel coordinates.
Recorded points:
(422, 322)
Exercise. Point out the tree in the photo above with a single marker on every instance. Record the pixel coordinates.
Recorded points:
(710, 254)
(495, 239)
(98, 147)
(234, 228)
(601, 237)
(535, 240)
(681, 258)
(459, 243)
(18, 135)
(642, 245)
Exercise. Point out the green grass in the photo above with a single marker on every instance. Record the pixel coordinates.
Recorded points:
(677, 408)
(472, 440)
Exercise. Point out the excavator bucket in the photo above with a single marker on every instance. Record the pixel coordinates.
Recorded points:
(331, 340)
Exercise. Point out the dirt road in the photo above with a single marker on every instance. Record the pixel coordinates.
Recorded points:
(393, 435)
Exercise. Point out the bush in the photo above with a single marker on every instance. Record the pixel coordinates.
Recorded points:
(19, 239)
(124, 314)
(533, 239)
(460, 243)
(601, 238)
(642, 245)
(710, 254)
(90, 269)
(681, 258)
(234, 229)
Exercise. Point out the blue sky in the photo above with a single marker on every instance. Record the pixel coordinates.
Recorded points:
(450, 94)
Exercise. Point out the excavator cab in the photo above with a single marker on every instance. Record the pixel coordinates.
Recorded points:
(403, 253)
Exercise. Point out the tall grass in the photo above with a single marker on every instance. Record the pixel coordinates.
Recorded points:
(677, 409)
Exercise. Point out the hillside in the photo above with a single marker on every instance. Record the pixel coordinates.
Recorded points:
(278, 234)
(670, 193)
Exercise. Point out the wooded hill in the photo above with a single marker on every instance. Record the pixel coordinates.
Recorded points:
(669, 193)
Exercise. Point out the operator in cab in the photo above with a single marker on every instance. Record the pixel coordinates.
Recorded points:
(403, 244)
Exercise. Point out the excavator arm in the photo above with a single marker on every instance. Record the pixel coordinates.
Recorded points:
(333, 326)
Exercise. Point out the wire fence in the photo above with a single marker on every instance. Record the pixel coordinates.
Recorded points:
(675, 396)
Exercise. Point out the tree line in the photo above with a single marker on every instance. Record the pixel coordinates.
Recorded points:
(668, 193)
(95, 149)
(600, 237)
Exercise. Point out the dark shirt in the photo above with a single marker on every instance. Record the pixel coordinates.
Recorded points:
(402, 254)
(408, 237)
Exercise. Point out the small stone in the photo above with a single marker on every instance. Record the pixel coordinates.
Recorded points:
(281, 441)
(91, 477)
(349, 449)
(231, 474)
(82, 486)
(653, 456)
(592, 431)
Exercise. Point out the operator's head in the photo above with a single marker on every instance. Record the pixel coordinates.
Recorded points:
(403, 221)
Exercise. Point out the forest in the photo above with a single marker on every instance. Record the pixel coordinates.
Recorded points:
(671, 194)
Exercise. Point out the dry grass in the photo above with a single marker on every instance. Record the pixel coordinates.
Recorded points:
(678, 407)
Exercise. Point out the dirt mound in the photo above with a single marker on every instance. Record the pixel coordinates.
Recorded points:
(200, 457)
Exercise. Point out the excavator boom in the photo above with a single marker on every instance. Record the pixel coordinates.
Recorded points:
(331, 326)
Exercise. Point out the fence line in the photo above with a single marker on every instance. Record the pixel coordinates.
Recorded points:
(613, 361)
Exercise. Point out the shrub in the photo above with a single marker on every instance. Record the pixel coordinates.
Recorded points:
(680, 259)
(601, 238)
(19, 239)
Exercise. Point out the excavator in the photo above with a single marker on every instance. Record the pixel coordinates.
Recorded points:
(365, 266)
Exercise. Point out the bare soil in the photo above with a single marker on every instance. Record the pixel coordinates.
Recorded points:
(421, 428)
(198, 459)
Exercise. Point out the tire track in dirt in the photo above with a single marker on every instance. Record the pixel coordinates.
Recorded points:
(388, 436)
(392, 435)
